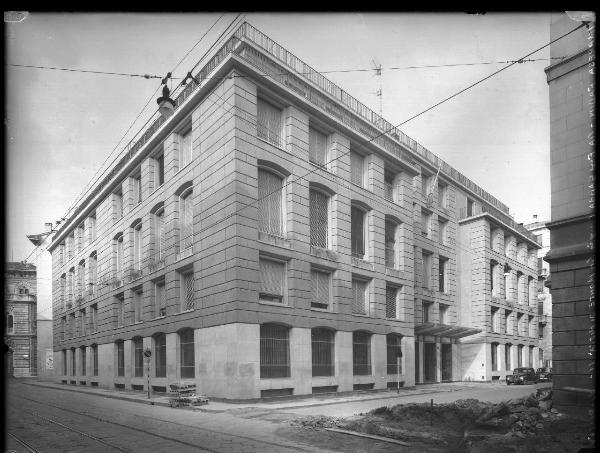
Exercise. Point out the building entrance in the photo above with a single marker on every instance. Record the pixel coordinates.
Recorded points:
(446, 362)
(429, 362)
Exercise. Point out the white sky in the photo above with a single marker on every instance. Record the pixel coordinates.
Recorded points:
(62, 125)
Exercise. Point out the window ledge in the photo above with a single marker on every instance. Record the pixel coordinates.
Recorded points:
(186, 311)
(278, 146)
(363, 264)
(137, 322)
(323, 310)
(274, 240)
(324, 253)
(275, 304)
(159, 317)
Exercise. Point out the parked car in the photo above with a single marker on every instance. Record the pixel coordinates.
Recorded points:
(522, 376)
(544, 374)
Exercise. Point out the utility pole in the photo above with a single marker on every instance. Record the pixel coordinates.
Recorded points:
(147, 356)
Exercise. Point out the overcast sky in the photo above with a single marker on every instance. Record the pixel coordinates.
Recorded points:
(61, 126)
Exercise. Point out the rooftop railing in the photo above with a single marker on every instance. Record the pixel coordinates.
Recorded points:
(504, 218)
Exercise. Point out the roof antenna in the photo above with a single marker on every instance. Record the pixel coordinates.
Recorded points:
(379, 92)
(166, 105)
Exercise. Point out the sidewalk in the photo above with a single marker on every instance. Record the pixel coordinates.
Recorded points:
(278, 404)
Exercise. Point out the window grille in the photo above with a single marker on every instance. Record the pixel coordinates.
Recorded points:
(357, 225)
(186, 344)
(138, 357)
(270, 196)
(272, 280)
(274, 351)
(319, 214)
(160, 355)
(442, 275)
(73, 362)
(95, 360)
(390, 245)
(187, 290)
(359, 297)
(159, 235)
(357, 172)
(185, 149)
(83, 360)
(319, 286)
(186, 217)
(269, 125)
(317, 147)
(160, 299)
(394, 350)
(322, 342)
(361, 353)
(137, 306)
(391, 294)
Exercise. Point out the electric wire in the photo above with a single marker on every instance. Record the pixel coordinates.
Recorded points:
(145, 76)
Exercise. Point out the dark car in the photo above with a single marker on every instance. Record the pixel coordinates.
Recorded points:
(544, 374)
(522, 376)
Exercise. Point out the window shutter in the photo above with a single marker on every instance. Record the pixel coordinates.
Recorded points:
(318, 219)
(358, 297)
(269, 203)
(186, 150)
(188, 288)
(390, 302)
(269, 124)
(317, 147)
(357, 234)
(357, 168)
(319, 284)
(272, 274)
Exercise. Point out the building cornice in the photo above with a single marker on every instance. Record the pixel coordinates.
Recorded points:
(569, 64)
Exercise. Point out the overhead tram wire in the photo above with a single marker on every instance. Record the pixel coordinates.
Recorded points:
(89, 71)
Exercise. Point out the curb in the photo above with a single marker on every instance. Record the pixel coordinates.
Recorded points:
(368, 436)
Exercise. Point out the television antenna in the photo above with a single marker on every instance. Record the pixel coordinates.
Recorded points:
(379, 93)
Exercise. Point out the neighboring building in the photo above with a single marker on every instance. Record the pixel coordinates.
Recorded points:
(45, 353)
(571, 256)
(543, 293)
(20, 312)
(269, 238)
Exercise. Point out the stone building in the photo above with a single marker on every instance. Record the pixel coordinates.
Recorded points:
(571, 257)
(544, 297)
(274, 236)
(20, 312)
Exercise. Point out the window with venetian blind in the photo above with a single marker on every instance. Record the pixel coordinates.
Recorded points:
(357, 233)
(272, 280)
(186, 220)
(391, 298)
(390, 244)
(360, 301)
(357, 168)
(270, 209)
(187, 290)
(269, 125)
(185, 148)
(319, 219)
(319, 288)
(317, 147)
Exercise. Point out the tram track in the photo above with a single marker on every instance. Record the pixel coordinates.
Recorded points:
(26, 444)
(146, 432)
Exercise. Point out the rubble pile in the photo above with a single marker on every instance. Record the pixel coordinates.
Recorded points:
(317, 422)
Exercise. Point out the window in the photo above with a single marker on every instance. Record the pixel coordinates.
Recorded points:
(120, 305)
(494, 356)
(70, 245)
(136, 188)
(269, 125)
(82, 321)
(63, 289)
(443, 314)
(391, 302)
(394, 353)
(119, 251)
(319, 219)
(83, 360)
(493, 283)
(357, 226)
(94, 317)
(186, 349)
(319, 287)
(427, 311)
(530, 363)
(64, 361)
(118, 205)
(72, 325)
(160, 299)
(120, 345)
(138, 357)
(71, 283)
(79, 236)
(270, 206)
(389, 186)
(442, 195)
(357, 169)
(507, 283)
(10, 324)
(495, 319)
(520, 288)
(426, 263)
(442, 231)
(360, 303)
(137, 247)
(519, 324)
(94, 348)
(493, 236)
(469, 207)
(274, 351)
(507, 245)
(531, 327)
(159, 170)
(73, 362)
(507, 356)
(272, 280)
(425, 222)
(63, 325)
(361, 353)
(519, 356)
(137, 304)
(390, 244)
(322, 342)
(317, 147)
(91, 228)
(442, 275)
(81, 278)
(540, 331)
(425, 183)
(185, 148)
(186, 222)
(93, 273)
(160, 355)
(186, 281)
(508, 328)
(159, 235)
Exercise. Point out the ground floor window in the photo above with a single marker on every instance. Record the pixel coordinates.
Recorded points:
(394, 353)
(274, 351)
(186, 345)
(507, 356)
(64, 361)
(361, 353)
(160, 355)
(138, 357)
(520, 356)
(83, 360)
(73, 362)
(120, 358)
(494, 356)
(95, 359)
(322, 342)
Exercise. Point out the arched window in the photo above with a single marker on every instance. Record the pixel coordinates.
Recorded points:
(270, 202)
(186, 353)
(137, 246)
(394, 353)
(274, 351)
(361, 353)
(93, 273)
(322, 342)
(159, 234)
(118, 256)
(160, 355)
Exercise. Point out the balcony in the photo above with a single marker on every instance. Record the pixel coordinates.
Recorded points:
(499, 215)
(156, 263)
(543, 319)
(132, 274)
(91, 289)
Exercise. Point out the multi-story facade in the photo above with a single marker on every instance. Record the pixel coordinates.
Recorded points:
(571, 82)
(274, 236)
(20, 312)
(544, 297)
